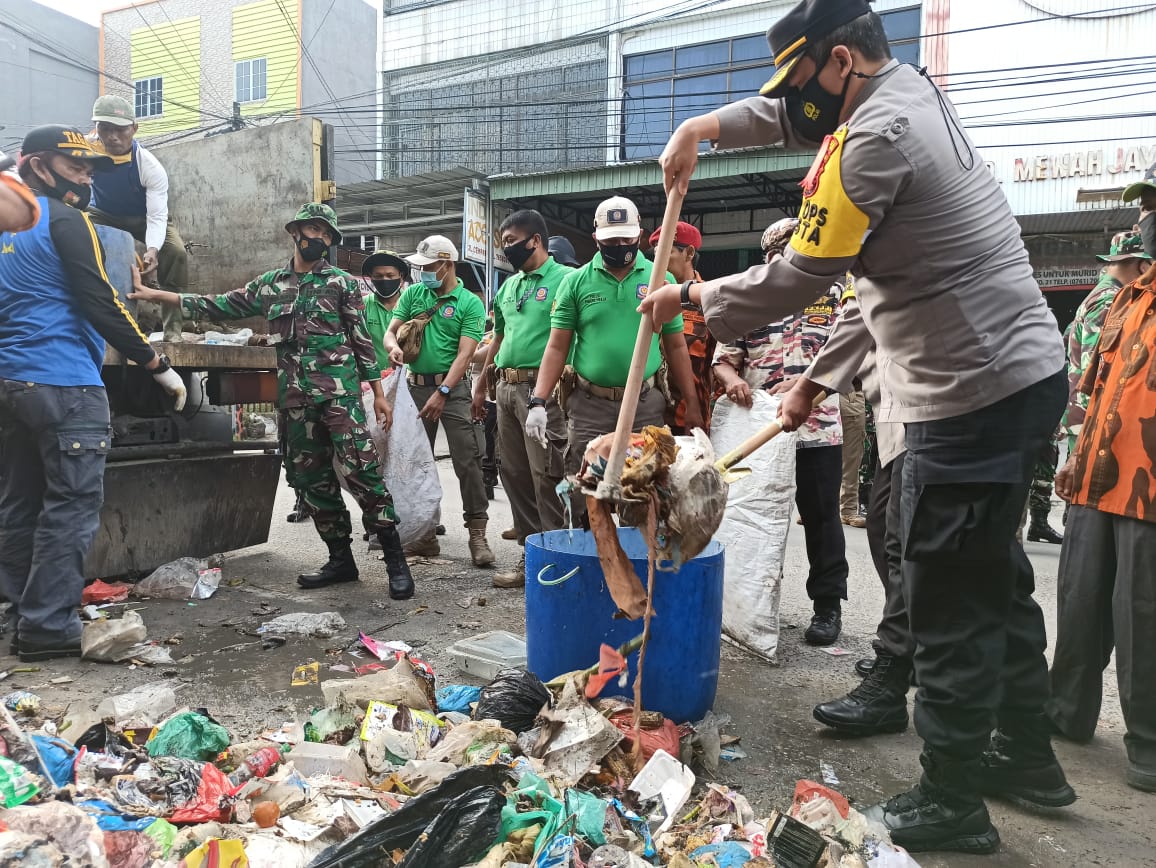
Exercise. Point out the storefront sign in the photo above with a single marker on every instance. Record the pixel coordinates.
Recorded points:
(1103, 162)
(1076, 277)
(477, 238)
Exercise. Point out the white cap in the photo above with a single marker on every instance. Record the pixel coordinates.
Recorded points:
(436, 248)
(617, 217)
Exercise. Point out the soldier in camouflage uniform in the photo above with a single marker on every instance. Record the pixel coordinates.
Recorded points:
(324, 352)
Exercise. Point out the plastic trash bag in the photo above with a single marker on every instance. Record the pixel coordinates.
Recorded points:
(110, 639)
(17, 784)
(66, 826)
(216, 852)
(461, 833)
(323, 625)
(59, 758)
(514, 699)
(127, 849)
(754, 527)
(407, 461)
(148, 704)
(457, 697)
(189, 736)
(199, 792)
(373, 845)
(173, 581)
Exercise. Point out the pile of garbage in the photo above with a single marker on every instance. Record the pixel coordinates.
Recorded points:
(392, 770)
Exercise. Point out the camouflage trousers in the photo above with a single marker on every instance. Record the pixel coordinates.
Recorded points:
(324, 439)
(1043, 477)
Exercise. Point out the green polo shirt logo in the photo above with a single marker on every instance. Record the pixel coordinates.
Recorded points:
(448, 311)
(522, 310)
(642, 290)
(541, 294)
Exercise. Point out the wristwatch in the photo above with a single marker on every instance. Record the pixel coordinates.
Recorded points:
(445, 390)
(163, 364)
(684, 298)
(535, 401)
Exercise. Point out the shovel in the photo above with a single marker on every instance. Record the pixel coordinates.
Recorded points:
(726, 464)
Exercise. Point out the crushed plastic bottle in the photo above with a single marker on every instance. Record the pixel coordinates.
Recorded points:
(259, 764)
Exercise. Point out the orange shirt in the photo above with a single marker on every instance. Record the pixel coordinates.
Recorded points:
(1115, 467)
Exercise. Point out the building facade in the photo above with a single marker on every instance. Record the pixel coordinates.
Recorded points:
(50, 66)
(191, 65)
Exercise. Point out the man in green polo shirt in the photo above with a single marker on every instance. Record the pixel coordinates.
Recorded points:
(438, 377)
(530, 473)
(597, 311)
(386, 271)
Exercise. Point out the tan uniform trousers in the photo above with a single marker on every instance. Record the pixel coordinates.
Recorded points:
(530, 472)
(853, 412)
(458, 423)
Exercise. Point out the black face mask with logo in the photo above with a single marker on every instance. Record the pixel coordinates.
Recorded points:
(312, 249)
(518, 254)
(811, 110)
(618, 255)
(69, 192)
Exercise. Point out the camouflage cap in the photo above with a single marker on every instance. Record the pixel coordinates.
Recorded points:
(316, 211)
(1125, 245)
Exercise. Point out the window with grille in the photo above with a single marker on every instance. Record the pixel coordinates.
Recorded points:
(251, 80)
(149, 97)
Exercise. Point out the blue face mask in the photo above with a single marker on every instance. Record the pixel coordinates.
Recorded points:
(429, 279)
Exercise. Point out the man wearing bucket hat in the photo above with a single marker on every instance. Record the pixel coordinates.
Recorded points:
(134, 196)
(324, 353)
(439, 376)
(57, 310)
(894, 179)
(385, 270)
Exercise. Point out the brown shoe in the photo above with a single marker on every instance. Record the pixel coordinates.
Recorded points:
(424, 548)
(854, 521)
(514, 579)
(509, 534)
(480, 552)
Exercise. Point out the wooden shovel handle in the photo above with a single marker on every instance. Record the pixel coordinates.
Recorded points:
(610, 488)
(757, 440)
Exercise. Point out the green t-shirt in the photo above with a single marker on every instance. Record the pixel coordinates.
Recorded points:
(522, 314)
(461, 315)
(602, 313)
(377, 320)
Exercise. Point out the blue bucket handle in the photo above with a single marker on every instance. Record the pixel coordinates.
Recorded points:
(548, 584)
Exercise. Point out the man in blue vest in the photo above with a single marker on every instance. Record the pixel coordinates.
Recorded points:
(57, 309)
(134, 196)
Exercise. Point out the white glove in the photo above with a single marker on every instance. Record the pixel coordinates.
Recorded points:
(171, 382)
(536, 424)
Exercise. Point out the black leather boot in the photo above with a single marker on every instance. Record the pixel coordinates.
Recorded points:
(339, 568)
(400, 578)
(826, 624)
(864, 665)
(944, 811)
(875, 705)
(1019, 764)
(1040, 531)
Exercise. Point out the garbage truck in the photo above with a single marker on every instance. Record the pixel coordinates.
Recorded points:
(187, 484)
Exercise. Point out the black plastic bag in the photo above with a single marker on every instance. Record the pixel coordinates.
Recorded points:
(398, 831)
(462, 833)
(514, 699)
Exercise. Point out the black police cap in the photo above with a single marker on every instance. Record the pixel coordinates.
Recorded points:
(68, 141)
(806, 23)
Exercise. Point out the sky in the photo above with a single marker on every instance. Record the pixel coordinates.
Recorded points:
(85, 10)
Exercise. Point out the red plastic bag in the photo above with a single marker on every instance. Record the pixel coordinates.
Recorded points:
(664, 738)
(806, 791)
(103, 592)
(211, 802)
(611, 664)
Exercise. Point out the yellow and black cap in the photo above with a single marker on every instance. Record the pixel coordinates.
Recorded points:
(806, 23)
(71, 142)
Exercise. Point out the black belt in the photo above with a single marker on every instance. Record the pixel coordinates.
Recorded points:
(427, 379)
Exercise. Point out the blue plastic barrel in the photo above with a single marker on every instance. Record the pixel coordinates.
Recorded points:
(569, 614)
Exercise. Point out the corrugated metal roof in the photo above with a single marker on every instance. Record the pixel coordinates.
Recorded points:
(1107, 220)
(772, 162)
(433, 200)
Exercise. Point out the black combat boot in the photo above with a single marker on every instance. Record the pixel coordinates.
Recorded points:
(864, 665)
(944, 811)
(875, 705)
(339, 568)
(400, 578)
(1019, 763)
(1040, 531)
(826, 624)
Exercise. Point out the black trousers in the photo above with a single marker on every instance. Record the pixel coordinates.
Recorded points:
(893, 634)
(979, 635)
(818, 476)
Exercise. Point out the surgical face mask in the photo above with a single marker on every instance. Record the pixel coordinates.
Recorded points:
(812, 111)
(618, 255)
(387, 287)
(312, 249)
(69, 192)
(428, 279)
(1148, 233)
(519, 254)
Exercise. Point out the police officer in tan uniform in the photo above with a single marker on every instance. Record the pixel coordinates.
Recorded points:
(898, 195)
